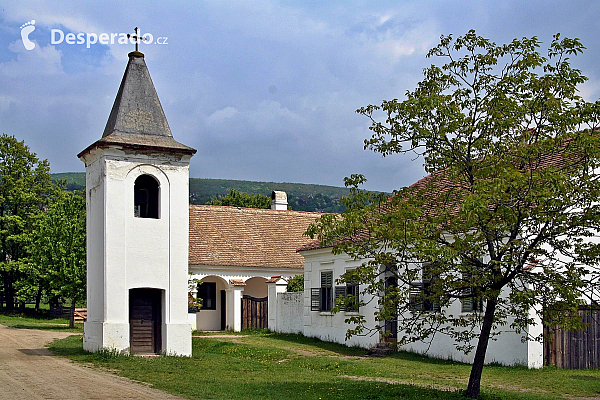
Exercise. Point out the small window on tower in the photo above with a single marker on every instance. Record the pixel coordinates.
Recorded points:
(145, 194)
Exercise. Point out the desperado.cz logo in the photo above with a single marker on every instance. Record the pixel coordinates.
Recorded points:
(26, 29)
(58, 36)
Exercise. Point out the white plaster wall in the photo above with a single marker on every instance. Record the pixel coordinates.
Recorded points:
(148, 240)
(256, 287)
(95, 247)
(325, 325)
(125, 252)
(289, 309)
(507, 349)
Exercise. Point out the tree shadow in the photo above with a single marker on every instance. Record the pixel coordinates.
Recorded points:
(48, 327)
(336, 348)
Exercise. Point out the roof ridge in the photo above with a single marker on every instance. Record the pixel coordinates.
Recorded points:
(257, 210)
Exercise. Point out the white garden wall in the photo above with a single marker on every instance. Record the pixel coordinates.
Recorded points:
(289, 309)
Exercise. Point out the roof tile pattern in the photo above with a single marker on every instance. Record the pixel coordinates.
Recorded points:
(247, 237)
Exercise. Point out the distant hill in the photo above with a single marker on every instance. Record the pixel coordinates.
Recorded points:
(301, 197)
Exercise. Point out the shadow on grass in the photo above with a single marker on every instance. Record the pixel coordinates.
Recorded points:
(333, 347)
(48, 327)
(31, 320)
(28, 312)
(344, 350)
(586, 377)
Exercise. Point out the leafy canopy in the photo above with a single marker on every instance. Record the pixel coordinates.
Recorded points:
(296, 284)
(241, 199)
(58, 246)
(506, 216)
(24, 188)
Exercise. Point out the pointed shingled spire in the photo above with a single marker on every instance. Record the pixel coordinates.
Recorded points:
(137, 119)
(137, 109)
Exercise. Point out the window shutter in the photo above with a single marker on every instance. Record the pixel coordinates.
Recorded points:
(315, 299)
(326, 278)
(415, 298)
(340, 291)
(353, 289)
(467, 305)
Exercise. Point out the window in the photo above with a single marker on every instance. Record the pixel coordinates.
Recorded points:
(421, 293)
(470, 303)
(207, 292)
(350, 289)
(326, 290)
(322, 298)
(145, 197)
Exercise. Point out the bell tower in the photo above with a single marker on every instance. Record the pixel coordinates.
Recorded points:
(137, 194)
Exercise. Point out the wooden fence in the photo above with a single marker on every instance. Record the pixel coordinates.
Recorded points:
(574, 349)
(65, 312)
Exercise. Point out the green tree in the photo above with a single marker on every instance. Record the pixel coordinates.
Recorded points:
(24, 186)
(503, 220)
(58, 248)
(241, 199)
(296, 284)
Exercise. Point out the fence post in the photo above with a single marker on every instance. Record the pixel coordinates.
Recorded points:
(275, 286)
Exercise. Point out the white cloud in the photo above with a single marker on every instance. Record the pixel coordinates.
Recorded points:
(221, 115)
(590, 90)
(42, 60)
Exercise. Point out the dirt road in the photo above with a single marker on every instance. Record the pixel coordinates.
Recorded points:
(29, 371)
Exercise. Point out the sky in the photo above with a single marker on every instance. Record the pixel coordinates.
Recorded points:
(264, 90)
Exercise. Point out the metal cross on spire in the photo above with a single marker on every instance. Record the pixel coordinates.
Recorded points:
(137, 37)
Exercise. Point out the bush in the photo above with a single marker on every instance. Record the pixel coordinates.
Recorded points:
(296, 284)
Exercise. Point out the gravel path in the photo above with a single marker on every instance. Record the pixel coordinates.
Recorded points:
(29, 371)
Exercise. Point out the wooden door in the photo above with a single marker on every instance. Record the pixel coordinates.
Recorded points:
(391, 326)
(223, 310)
(145, 321)
(254, 312)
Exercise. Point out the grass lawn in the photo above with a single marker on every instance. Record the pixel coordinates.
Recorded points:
(270, 366)
(32, 321)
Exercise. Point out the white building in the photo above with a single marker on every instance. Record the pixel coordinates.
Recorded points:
(235, 252)
(137, 194)
(323, 268)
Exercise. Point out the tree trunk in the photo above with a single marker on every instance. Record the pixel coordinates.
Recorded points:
(9, 292)
(484, 337)
(72, 319)
(38, 299)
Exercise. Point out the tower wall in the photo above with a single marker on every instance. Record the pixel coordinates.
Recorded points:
(127, 252)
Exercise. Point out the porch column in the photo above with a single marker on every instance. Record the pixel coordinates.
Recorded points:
(237, 294)
(275, 286)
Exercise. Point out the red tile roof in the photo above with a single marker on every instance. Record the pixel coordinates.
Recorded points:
(247, 237)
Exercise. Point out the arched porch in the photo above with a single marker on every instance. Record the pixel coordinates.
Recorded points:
(212, 293)
(224, 300)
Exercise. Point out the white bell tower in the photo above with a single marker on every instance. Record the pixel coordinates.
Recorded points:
(137, 193)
